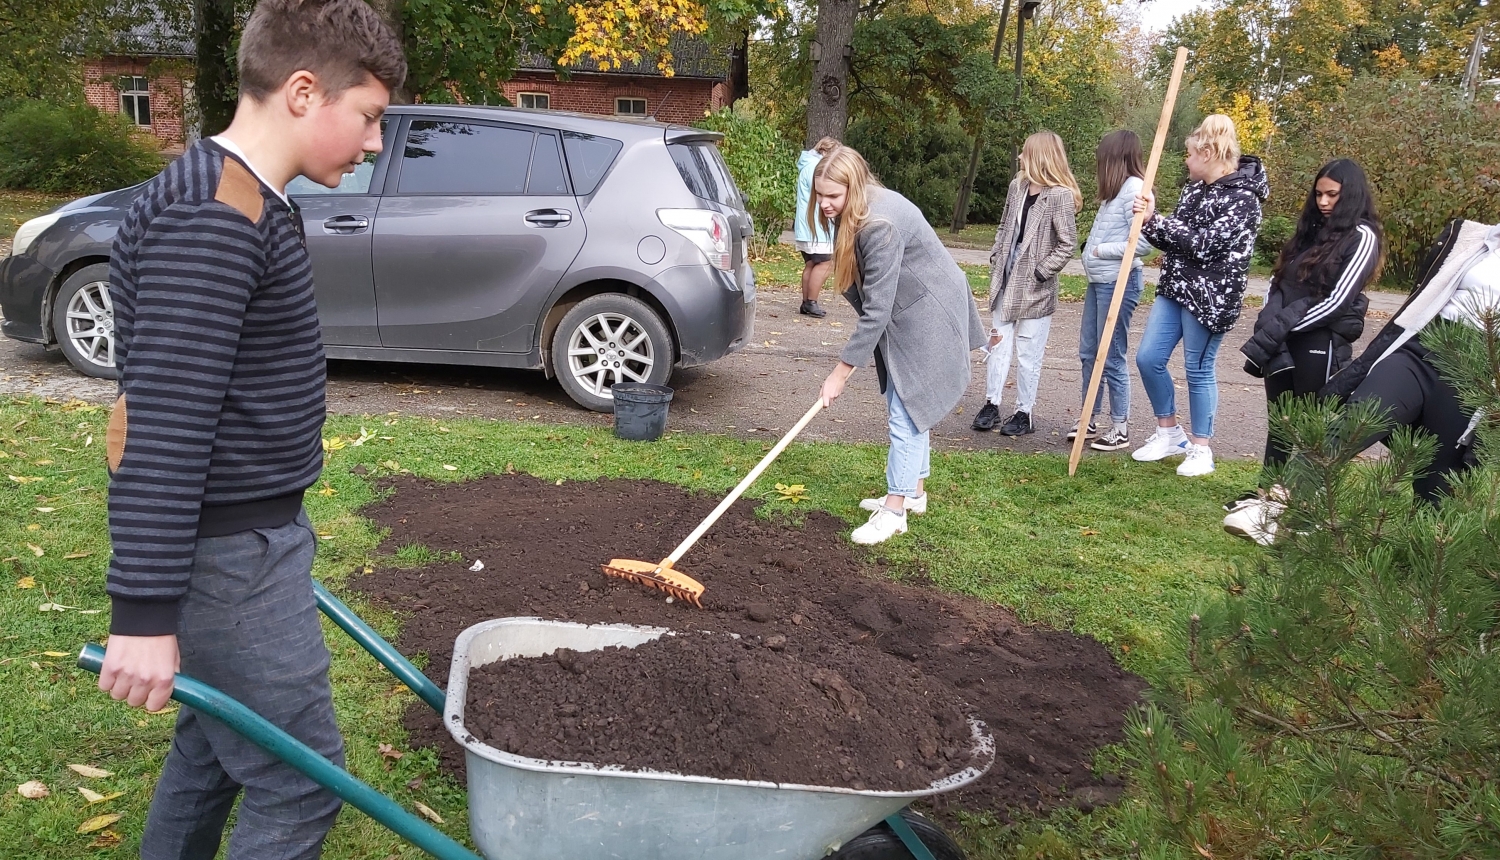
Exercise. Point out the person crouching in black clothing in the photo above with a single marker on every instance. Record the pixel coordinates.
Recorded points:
(1313, 314)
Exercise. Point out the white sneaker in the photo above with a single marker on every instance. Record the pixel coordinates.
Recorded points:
(883, 525)
(913, 504)
(1199, 461)
(1165, 442)
(1255, 521)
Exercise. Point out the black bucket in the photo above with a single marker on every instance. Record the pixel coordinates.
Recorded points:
(640, 410)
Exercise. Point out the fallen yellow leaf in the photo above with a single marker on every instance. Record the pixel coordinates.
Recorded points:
(36, 550)
(328, 490)
(105, 798)
(43, 462)
(56, 654)
(449, 468)
(90, 795)
(107, 839)
(428, 813)
(390, 752)
(89, 771)
(26, 582)
(99, 822)
(33, 527)
(34, 790)
(19, 479)
(45, 510)
(73, 555)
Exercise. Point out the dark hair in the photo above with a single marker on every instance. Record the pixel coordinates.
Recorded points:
(1316, 238)
(339, 41)
(1118, 159)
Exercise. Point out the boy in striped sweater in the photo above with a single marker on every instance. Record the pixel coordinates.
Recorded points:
(216, 432)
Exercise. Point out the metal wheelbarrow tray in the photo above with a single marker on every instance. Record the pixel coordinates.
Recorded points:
(529, 808)
(521, 806)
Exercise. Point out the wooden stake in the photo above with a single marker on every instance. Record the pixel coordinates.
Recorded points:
(1135, 234)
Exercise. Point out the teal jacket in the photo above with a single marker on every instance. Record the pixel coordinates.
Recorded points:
(808, 232)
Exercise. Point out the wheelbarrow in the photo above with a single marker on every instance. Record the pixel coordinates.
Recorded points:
(522, 807)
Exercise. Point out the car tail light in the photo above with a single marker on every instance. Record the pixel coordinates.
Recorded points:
(706, 229)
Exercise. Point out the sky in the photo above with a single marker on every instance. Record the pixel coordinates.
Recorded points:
(1158, 14)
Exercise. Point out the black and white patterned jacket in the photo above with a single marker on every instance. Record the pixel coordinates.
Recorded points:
(1207, 243)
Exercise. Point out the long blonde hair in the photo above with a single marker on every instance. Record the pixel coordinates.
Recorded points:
(848, 168)
(1216, 139)
(1044, 162)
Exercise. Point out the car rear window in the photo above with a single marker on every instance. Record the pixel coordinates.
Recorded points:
(465, 158)
(589, 158)
(704, 172)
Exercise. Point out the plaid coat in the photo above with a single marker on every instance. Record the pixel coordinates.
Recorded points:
(1051, 237)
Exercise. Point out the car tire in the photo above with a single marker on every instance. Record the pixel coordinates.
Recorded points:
(606, 339)
(83, 321)
(882, 843)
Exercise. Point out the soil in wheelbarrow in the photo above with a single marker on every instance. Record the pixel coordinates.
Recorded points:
(803, 592)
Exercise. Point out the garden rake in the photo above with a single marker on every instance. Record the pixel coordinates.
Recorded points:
(664, 575)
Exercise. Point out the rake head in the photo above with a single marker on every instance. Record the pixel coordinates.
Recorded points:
(658, 575)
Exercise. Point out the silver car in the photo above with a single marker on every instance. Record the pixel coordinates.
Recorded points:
(592, 249)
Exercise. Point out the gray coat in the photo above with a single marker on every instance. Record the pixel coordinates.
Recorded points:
(914, 306)
(1106, 243)
(1051, 237)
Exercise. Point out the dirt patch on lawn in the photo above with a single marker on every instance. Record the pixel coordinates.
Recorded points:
(1050, 698)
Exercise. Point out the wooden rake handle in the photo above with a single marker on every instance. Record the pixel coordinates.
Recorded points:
(744, 485)
(1091, 394)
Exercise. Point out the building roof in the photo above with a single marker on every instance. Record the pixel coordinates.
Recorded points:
(160, 36)
(692, 57)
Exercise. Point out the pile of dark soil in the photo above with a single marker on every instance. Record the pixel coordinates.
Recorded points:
(1050, 698)
(712, 705)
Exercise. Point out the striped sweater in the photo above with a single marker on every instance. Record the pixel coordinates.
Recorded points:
(218, 425)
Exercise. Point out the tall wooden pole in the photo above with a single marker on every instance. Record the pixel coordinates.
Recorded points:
(1092, 392)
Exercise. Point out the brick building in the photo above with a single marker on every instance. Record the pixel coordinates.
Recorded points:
(148, 77)
(699, 84)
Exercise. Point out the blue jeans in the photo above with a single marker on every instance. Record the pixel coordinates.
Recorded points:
(910, 457)
(1116, 375)
(1169, 323)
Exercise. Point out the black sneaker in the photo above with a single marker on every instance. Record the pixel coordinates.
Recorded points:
(1018, 425)
(988, 415)
(813, 309)
(1090, 433)
(1116, 439)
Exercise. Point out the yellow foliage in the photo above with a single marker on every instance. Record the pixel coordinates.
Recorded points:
(1252, 119)
(615, 32)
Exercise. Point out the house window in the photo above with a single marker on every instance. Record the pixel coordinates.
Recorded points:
(135, 99)
(540, 101)
(630, 107)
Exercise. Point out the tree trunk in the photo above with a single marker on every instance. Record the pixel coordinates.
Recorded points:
(215, 87)
(739, 69)
(828, 102)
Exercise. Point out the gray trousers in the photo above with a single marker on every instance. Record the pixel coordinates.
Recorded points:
(249, 627)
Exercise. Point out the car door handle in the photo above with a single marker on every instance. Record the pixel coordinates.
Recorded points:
(346, 224)
(548, 217)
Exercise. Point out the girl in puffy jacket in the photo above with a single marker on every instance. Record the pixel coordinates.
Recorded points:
(1118, 165)
(1206, 246)
(1314, 312)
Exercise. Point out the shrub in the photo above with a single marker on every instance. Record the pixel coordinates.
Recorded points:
(1341, 696)
(1431, 155)
(763, 164)
(1275, 230)
(71, 149)
(924, 162)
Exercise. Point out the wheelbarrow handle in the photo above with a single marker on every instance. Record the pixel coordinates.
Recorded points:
(210, 702)
(380, 649)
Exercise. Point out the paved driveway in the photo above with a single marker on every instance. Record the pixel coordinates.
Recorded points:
(759, 391)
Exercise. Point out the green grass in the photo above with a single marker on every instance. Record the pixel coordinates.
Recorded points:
(18, 207)
(1120, 552)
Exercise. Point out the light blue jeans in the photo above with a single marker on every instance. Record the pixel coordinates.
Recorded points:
(1168, 324)
(1096, 301)
(910, 457)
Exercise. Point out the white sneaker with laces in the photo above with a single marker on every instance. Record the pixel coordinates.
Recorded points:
(1255, 521)
(1199, 461)
(883, 525)
(1165, 442)
(913, 504)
